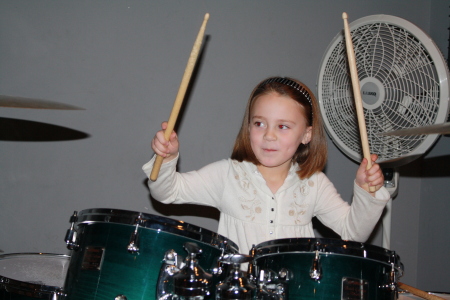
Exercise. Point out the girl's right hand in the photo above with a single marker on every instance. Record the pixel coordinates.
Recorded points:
(167, 149)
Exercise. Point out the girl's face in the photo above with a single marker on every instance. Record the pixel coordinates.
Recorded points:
(277, 127)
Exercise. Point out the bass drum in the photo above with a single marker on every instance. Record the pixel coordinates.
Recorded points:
(313, 268)
(32, 275)
(118, 254)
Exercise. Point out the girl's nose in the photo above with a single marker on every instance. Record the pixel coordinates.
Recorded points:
(269, 135)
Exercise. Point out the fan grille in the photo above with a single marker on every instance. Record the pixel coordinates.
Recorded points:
(400, 87)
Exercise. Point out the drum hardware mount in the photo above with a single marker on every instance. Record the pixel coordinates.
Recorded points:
(394, 275)
(251, 266)
(175, 262)
(120, 297)
(236, 285)
(58, 294)
(222, 245)
(272, 286)
(172, 264)
(183, 280)
(192, 282)
(316, 269)
(71, 235)
(393, 279)
(133, 246)
(219, 269)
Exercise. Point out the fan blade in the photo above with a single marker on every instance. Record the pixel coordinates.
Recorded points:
(20, 102)
(432, 129)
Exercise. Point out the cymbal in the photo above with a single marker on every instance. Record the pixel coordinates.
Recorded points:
(443, 128)
(20, 102)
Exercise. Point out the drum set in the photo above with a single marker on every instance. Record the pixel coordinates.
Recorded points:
(125, 255)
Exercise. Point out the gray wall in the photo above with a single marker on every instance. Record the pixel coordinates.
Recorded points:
(123, 61)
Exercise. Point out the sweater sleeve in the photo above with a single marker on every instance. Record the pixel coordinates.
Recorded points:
(204, 186)
(353, 222)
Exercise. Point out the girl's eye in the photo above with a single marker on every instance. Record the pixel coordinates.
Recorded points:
(283, 127)
(258, 124)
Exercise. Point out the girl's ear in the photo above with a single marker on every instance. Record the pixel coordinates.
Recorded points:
(308, 134)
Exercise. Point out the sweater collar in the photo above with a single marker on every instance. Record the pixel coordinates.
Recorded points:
(291, 178)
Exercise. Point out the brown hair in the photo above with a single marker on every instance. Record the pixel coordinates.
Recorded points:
(310, 157)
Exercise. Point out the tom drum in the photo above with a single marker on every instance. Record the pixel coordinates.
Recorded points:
(313, 268)
(118, 254)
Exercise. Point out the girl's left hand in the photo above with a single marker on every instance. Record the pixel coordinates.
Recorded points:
(372, 177)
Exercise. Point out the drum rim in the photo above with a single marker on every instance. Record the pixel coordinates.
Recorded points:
(155, 222)
(29, 254)
(308, 245)
(429, 292)
(32, 289)
(404, 293)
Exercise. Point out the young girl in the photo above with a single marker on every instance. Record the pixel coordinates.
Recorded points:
(272, 186)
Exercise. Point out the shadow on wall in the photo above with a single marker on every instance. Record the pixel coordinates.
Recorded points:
(185, 210)
(438, 166)
(325, 232)
(182, 209)
(30, 131)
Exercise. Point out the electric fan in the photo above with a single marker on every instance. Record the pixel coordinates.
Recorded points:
(404, 84)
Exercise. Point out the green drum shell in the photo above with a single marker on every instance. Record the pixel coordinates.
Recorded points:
(112, 270)
(341, 262)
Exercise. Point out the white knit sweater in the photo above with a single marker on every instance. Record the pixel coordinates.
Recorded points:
(250, 213)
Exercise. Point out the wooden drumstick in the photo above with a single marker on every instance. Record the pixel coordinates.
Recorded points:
(418, 292)
(357, 95)
(180, 96)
